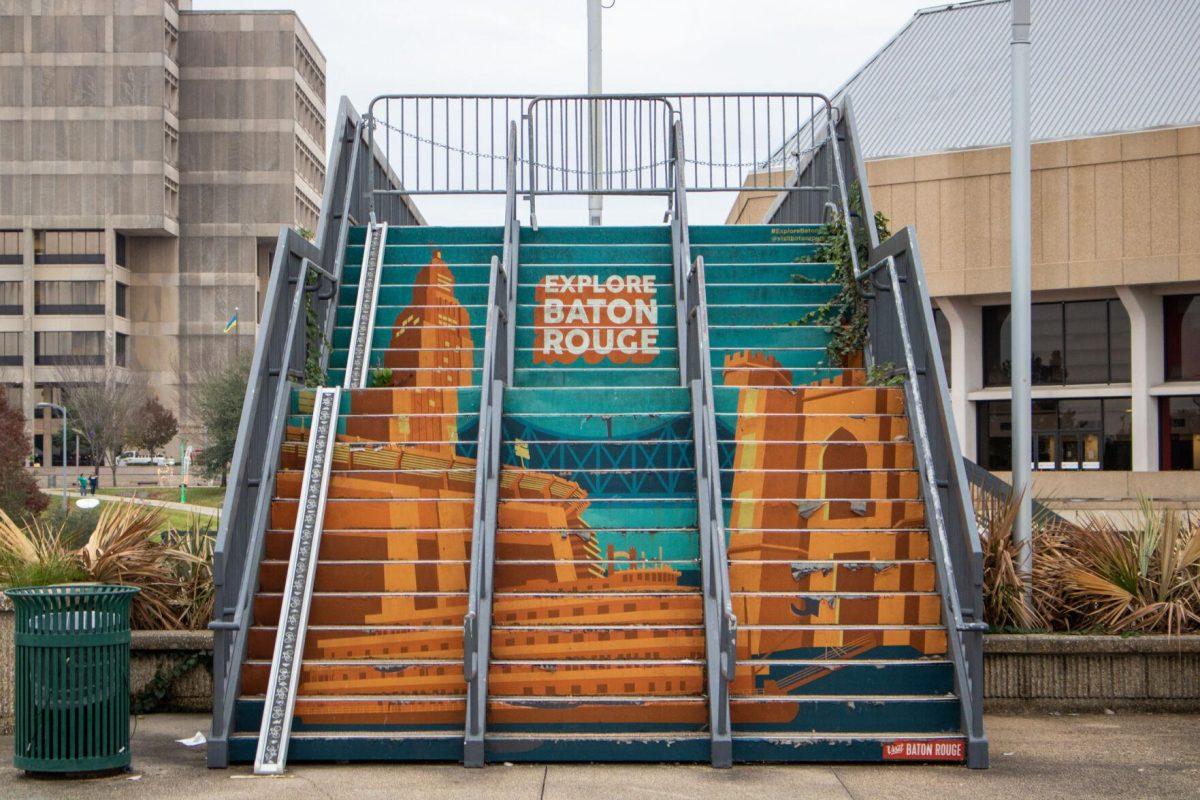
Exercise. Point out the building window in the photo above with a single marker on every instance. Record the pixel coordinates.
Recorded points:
(942, 325)
(71, 348)
(1179, 424)
(122, 300)
(10, 297)
(1068, 434)
(68, 297)
(1181, 337)
(68, 247)
(122, 250)
(10, 247)
(10, 349)
(1075, 342)
(170, 144)
(121, 352)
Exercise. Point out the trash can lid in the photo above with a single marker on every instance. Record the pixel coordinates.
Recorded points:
(72, 590)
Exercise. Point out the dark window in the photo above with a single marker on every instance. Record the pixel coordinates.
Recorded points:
(1046, 340)
(1181, 337)
(120, 254)
(10, 247)
(83, 348)
(1179, 423)
(122, 300)
(68, 297)
(122, 350)
(10, 297)
(1075, 342)
(942, 325)
(1074, 434)
(68, 247)
(10, 349)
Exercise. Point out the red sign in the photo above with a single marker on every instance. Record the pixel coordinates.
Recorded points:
(596, 318)
(925, 750)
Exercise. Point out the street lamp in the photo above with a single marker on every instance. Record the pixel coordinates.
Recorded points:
(63, 409)
(1022, 433)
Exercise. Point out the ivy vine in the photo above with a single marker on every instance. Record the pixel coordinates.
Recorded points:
(845, 314)
(151, 697)
(315, 340)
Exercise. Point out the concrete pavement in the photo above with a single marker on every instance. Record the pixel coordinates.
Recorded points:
(1129, 756)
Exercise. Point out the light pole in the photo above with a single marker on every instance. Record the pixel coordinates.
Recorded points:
(63, 409)
(1019, 318)
(595, 110)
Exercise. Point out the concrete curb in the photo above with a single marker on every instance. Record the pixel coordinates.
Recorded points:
(1060, 672)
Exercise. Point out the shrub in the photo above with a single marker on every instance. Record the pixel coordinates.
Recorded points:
(173, 570)
(19, 492)
(1144, 580)
(1003, 586)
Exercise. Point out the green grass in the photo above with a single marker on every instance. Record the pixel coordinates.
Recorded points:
(208, 496)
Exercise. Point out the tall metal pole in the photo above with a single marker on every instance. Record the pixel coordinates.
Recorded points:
(1022, 257)
(595, 111)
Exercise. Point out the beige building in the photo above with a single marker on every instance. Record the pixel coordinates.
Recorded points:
(1116, 228)
(148, 156)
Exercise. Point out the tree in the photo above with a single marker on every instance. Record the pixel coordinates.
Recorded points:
(19, 492)
(218, 400)
(105, 412)
(155, 427)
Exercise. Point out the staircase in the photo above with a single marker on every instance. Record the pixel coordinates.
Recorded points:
(841, 646)
(597, 626)
(382, 663)
(593, 494)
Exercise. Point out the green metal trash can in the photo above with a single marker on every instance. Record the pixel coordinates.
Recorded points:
(71, 677)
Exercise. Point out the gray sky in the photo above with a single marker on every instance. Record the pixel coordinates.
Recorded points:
(539, 46)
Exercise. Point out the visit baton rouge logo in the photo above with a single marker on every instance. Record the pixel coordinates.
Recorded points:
(614, 317)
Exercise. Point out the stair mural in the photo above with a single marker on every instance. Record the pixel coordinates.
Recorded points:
(841, 646)
(598, 634)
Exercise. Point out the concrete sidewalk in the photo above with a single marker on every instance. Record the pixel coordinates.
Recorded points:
(1128, 756)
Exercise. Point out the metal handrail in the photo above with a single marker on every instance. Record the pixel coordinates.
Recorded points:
(696, 373)
(455, 143)
(958, 561)
(496, 372)
(239, 546)
(718, 550)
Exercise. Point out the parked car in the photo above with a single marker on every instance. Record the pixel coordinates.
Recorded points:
(132, 458)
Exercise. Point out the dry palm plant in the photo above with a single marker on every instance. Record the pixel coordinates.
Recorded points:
(1145, 580)
(192, 567)
(123, 549)
(1004, 588)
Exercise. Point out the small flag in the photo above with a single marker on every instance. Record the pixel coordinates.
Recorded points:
(521, 448)
(232, 324)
